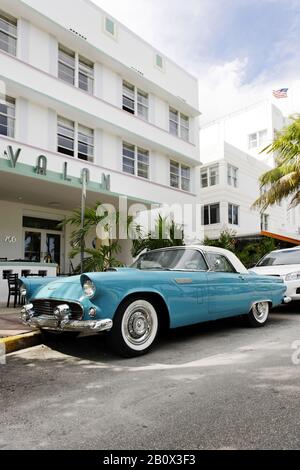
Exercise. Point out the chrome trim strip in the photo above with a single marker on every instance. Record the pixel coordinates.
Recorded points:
(183, 280)
(51, 323)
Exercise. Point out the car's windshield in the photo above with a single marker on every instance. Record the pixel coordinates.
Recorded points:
(190, 260)
(277, 258)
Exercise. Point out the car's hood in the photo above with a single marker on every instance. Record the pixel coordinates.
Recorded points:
(62, 288)
(276, 270)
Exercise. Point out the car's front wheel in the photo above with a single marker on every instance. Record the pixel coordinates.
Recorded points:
(135, 327)
(258, 314)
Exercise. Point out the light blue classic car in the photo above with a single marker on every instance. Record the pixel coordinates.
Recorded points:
(169, 287)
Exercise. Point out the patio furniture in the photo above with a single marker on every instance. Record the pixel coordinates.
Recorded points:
(13, 289)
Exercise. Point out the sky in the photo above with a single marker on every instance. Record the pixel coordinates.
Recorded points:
(240, 50)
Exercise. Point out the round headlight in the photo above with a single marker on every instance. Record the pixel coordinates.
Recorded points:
(23, 290)
(89, 288)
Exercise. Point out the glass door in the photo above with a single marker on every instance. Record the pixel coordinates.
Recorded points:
(32, 250)
(53, 248)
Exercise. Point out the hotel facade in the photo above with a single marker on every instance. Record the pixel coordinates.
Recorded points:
(79, 92)
(232, 163)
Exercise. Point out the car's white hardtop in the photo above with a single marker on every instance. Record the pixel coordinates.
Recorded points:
(236, 263)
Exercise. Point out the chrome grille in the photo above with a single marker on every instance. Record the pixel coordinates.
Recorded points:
(47, 307)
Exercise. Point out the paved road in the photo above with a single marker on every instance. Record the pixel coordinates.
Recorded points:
(213, 386)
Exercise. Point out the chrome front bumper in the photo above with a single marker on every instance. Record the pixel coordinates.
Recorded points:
(60, 321)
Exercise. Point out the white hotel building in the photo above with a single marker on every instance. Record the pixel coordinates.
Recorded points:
(229, 177)
(79, 90)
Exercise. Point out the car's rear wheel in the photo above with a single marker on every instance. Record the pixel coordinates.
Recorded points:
(135, 327)
(258, 314)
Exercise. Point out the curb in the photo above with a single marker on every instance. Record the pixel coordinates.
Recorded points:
(15, 343)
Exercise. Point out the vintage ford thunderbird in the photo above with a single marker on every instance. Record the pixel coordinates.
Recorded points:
(169, 287)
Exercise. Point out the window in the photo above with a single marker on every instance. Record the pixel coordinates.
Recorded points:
(110, 26)
(159, 62)
(129, 158)
(211, 214)
(128, 97)
(233, 214)
(66, 65)
(184, 127)
(210, 176)
(86, 75)
(173, 121)
(143, 163)
(75, 139)
(135, 160)
(232, 176)
(7, 116)
(204, 178)
(214, 175)
(179, 124)
(180, 176)
(219, 263)
(75, 69)
(135, 101)
(8, 33)
(142, 104)
(264, 222)
(185, 178)
(66, 136)
(257, 139)
(174, 175)
(85, 143)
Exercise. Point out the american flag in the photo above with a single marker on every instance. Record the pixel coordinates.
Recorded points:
(281, 93)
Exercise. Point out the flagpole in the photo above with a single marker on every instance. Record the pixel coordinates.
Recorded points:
(83, 201)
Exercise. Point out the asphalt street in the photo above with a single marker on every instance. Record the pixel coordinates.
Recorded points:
(215, 386)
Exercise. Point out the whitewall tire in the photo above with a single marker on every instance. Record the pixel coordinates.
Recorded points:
(259, 314)
(135, 328)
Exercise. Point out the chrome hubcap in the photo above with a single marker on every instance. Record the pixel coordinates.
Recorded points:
(138, 325)
(261, 310)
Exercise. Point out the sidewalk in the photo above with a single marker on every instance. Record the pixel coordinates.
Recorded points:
(13, 334)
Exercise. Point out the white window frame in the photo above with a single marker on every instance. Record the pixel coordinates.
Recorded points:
(208, 172)
(136, 98)
(137, 160)
(180, 124)
(113, 35)
(179, 175)
(162, 66)
(264, 222)
(78, 60)
(255, 140)
(76, 129)
(86, 67)
(10, 103)
(232, 175)
(209, 214)
(231, 208)
(82, 130)
(12, 23)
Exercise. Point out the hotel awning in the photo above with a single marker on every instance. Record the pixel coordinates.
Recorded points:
(292, 238)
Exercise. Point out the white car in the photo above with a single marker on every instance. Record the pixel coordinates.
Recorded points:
(284, 264)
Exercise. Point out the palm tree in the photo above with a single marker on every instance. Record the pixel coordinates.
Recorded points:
(284, 180)
(97, 258)
(163, 235)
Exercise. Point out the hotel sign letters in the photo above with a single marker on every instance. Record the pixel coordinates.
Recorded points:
(42, 163)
